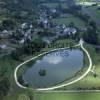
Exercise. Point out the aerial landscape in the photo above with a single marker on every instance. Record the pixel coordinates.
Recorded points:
(49, 49)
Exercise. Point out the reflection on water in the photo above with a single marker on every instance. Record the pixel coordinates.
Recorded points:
(53, 59)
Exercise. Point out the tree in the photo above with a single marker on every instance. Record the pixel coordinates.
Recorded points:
(34, 46)
(71, 24)
(8, 24)
(97, 49)
(45, 33)
(42, 72)
(95, 75)
(93, 24)
(17, 54)
(90, 36)
(4, 86)
(38, 44)
(20, 80)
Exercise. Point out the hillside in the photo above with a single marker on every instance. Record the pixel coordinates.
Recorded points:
(19, 3)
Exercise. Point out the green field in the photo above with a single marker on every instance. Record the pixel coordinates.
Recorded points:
(68, 19)
(54, 5)
(68, 96)
(56, 96)
(94, 12)
(50, 5)
(89, 82)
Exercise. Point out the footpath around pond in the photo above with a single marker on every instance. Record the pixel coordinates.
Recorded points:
(81, 43)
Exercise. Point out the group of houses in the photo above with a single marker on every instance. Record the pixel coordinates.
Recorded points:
(58, 29)
(27, 32)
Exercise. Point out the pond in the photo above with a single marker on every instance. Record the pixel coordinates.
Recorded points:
(54, 68)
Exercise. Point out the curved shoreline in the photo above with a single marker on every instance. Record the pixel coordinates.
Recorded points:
(59, 86)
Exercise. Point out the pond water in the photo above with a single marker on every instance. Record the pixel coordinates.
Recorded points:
(54, 68)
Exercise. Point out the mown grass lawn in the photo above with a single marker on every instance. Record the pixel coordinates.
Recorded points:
(77, 22)
(55, 96)
(54, 5)
(95, 12)
(67, 96)
(50, 5)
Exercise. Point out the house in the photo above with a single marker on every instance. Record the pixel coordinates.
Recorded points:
(4, 32)
(24, 25)
(3, 46)
(45, 21)
(31, 26)
(70, 31)
(73, 31)
(53, 10)
(63, 26)
(81, 41)
(22, 41)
